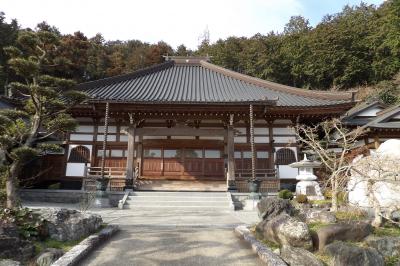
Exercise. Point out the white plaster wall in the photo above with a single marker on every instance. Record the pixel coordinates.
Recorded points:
(240, 139)
(287, 172)
(111, 129)
(84, 128)
(154, 137)
(212, 138)
(183, 137)
(261, 139)
(260, 131)
(77, 169)
(283, 131)
(109, 137)
(81, 137)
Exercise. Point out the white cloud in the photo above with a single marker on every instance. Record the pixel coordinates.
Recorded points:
(174, 21)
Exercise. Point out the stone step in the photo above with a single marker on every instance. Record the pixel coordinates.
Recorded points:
(177, 203)
(178, 207)
(175, 198)
(180, 194)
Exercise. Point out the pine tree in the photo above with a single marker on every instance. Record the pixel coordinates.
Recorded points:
(44, 102)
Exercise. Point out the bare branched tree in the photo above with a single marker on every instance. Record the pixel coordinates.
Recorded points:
(331, 141)
(379, 175)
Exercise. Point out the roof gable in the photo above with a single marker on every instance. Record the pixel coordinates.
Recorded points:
(388, 119)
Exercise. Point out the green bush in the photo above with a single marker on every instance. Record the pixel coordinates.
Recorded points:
(301, 198)
(285, 194)
(29, 224)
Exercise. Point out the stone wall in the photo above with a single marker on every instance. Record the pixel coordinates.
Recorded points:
(63, 196)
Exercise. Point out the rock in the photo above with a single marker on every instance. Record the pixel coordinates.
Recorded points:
(355, 231)
(9, 263)
(345, 254)
(299, 257)
(16, 248)
(387, 246)
(285, 230)
(269, 208)
(65, 225)
(48, 256)
(317, 216)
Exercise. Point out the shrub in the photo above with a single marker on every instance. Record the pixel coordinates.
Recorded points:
(328, 194)
(301, 198)
(28, 223)
(285, 194)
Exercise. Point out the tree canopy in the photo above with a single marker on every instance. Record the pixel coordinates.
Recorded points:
(359, 46)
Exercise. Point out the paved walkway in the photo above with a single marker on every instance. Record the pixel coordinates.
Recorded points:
(160, 237)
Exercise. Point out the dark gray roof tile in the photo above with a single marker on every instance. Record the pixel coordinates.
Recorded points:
(171, 82)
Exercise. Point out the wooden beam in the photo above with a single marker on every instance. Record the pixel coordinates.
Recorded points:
(180, 131)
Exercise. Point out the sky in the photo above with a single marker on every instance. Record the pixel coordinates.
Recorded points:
(173, 21)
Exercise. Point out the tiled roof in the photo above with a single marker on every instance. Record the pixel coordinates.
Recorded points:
(351, 117)
(199, 82)
(384, 119)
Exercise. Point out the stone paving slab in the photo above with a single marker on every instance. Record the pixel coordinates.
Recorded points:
(156, 245)
(173, 237)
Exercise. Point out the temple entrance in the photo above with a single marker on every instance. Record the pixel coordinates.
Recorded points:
(183, 163)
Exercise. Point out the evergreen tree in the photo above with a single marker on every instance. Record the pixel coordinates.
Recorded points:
(44, 98)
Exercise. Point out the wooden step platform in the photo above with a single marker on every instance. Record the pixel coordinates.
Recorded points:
(180, 185)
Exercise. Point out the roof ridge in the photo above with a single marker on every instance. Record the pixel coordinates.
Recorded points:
(123, 77)
(280, 87)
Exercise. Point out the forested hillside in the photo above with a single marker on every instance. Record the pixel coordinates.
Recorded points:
(358, 48)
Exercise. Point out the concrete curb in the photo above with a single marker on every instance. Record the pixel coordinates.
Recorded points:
(73, 256)
(265, 254)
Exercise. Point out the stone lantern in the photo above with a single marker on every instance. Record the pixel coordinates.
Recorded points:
(307, 184)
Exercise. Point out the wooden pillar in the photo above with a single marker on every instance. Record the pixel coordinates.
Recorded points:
(271, 145)
(130, 168)
(231, 158)
(103, 157)
(139, 153)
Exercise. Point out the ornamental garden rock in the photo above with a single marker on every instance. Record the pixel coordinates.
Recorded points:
(268, 208)
(355, 231)
(65, 225)
(346, 254)
(285, 230)
(387, 246)
(299, 257)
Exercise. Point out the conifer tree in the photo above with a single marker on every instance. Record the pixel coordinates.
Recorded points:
(44, 101)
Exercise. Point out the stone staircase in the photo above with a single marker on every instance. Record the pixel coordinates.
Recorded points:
(187, 201)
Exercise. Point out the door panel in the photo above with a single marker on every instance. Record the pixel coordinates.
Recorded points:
(152, 166)
(172, 166)
(193, 166)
